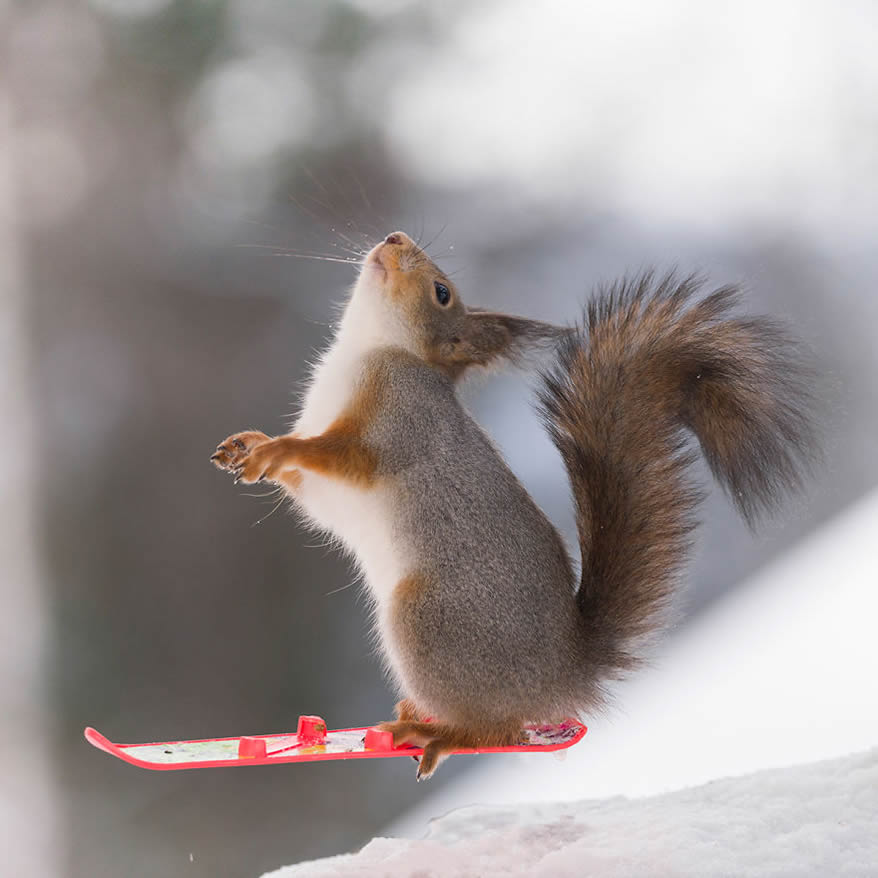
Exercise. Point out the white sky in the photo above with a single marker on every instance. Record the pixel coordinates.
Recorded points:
(692, 112)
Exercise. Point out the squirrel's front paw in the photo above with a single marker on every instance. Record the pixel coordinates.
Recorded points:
(266, 461)
(232, 451)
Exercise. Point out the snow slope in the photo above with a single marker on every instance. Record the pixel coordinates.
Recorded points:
(819, 820)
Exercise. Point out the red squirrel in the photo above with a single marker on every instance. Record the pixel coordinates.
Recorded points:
(481, 619)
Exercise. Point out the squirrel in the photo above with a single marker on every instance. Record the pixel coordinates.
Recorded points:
(481, 617)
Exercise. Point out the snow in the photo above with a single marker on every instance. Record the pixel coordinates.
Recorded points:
(812, 820)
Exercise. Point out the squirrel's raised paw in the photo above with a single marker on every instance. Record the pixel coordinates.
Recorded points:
(268, 461)
(232, 451)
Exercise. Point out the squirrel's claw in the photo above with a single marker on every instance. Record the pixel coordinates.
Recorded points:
(233, 451)
(254, 467)
(434, 753)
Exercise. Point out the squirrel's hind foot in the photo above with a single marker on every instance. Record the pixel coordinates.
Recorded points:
(440, 740)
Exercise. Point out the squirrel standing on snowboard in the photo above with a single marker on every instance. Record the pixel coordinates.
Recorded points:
(480, 616)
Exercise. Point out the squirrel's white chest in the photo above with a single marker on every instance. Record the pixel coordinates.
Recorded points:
(359, 517)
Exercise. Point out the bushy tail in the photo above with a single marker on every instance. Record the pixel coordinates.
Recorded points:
(652, 361)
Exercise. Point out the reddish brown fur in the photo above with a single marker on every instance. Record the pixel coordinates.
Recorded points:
(408, 710)
(408, 589)
(650, 363)
(339, 452)
(439, 739)
(291, 480)
(231, 451)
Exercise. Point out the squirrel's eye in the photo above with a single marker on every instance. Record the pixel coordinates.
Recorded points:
(443, 294)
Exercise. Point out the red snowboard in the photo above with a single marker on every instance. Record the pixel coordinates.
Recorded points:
(311, 742)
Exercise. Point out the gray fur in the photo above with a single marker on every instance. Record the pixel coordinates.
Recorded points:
(496, 633)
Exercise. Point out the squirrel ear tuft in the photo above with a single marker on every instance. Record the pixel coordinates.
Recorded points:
(487, 336)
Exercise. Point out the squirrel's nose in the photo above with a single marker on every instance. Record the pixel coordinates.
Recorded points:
(395, 238)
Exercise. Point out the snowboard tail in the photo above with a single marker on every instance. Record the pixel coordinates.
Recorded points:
(311, 742)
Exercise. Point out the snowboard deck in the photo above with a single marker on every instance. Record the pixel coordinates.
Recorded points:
(311, 742)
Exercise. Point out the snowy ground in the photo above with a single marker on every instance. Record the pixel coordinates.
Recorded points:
(781, 672)
(819, 820)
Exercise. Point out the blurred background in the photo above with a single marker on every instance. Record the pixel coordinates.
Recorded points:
(183, 184)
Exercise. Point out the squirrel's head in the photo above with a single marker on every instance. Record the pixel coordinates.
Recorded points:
(402, 297)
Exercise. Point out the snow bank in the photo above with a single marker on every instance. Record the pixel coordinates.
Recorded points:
(818, 820)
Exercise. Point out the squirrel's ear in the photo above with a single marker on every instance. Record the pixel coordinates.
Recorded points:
(486, 336)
